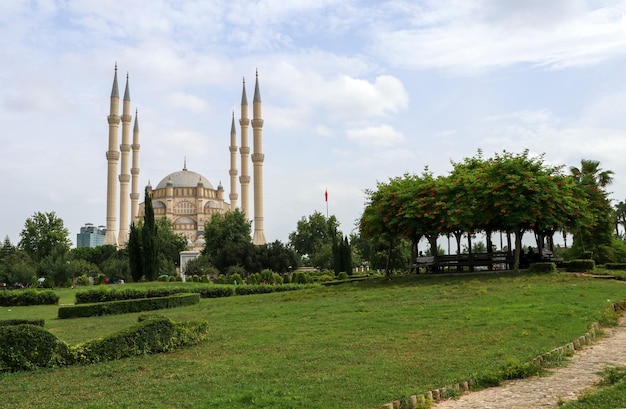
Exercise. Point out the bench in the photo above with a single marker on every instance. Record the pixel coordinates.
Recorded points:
(495, 260)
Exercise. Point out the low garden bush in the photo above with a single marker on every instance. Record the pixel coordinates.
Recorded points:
(27, 347)
(28, 297)
(581, 265)
(615, 266)
(127, 306)
(542, 268)
(152, 335)
(4, 323)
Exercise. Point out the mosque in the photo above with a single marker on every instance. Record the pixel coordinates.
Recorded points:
(185, 197)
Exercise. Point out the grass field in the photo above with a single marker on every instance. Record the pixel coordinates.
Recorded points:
(357, 345)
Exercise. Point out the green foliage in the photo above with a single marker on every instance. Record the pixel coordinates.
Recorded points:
(116, 269)
(326, 278)
(223, 230)
(216, 291)
(200, 266)
(313, 239)
(156, 334)
(42, 233)
(221, 279)
(149, 242)
(26, 347)
(135, 252)
(236, 269)
(613, 375)
(28, 297)
(342, 276)
(580, 265)
(542, 268)
(4, 323)
(301, 277)
(235, 279)
(126, 306)
(277, 257)
(615, 266)
(163, 278)
(83, 280)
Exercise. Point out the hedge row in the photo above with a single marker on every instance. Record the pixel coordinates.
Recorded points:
(6, 323)
(105, 294)
(26, 347)
(127, 306)
(546, 267)
(581, 265)
(9, 298)
(615, 266)
(99, 295)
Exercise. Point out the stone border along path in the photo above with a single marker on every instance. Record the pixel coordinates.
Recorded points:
(580, 373)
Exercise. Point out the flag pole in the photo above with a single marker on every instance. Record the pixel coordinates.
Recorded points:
(326, 198)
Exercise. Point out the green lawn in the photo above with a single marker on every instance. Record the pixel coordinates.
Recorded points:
(357, 345)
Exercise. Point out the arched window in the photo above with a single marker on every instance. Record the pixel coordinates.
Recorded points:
(185, 208)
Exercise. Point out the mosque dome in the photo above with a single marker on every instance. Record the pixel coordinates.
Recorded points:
(184, 178)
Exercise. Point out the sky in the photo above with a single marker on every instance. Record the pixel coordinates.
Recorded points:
(354, 93)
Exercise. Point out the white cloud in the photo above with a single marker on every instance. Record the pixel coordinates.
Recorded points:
(378, 136)
(485, 34)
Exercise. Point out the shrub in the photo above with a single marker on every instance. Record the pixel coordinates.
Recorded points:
(27, 347)
(542, 268)
(4, 323)
(342, 276)
(164, 277)
(155, 334)
(28, 297)
(286, 279)
(325, 278)
(267, 276)
(220, 279)
(615, 266)
(126, 306)
(301, 277)
(236, 270)
(277, 278)
(581, 265)
(254, 279)
(216, 291)
(82, 280)
(235, 279)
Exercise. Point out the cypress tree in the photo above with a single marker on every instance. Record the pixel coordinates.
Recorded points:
(150, 242)
(135, 255)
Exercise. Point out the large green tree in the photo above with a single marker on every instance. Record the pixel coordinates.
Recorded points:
(42, 233)
(222, 230)
(594, 232)
(314, 237)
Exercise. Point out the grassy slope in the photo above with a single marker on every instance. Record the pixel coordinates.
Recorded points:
(358, 345)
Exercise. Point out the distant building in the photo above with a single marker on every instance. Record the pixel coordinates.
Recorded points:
(90, 236)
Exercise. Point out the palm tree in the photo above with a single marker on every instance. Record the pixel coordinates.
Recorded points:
(620, 216)
(591, 172)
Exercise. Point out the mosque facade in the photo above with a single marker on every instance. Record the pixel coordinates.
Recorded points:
(185, 197)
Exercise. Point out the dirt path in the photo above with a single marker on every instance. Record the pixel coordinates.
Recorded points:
(564, 384)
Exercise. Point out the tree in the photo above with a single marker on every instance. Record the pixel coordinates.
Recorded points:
(312, 235)
(135, 252)
(170, 243)
(620, 217)
(150, 244)
(222, 230)
(277, 257)
(594, 232)
(42, 233)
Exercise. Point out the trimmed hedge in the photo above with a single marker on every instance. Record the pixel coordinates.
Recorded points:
(153, 335)
(6, 323)
(100, 295)
(27, 297)
(542, 268)
(27, 347)
(615, 266)
(581, 265)
(127, 306)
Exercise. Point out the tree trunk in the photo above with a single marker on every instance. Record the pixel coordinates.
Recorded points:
(518, 248)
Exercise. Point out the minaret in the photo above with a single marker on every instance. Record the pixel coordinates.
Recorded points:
(233, 165)
(113, 156)
(257, 163)
(125, 171)
(244, 179)
(134, 171)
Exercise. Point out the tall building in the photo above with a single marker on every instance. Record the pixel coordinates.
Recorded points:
(185, 197)
(90, 236)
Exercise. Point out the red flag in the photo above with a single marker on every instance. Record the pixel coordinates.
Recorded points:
(326, 195)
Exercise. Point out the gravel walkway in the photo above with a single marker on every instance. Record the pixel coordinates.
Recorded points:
(563, 384)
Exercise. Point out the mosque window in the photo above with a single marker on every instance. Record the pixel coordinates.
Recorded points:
(185, 208)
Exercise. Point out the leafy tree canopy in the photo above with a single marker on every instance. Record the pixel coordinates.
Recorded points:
(42, 233)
